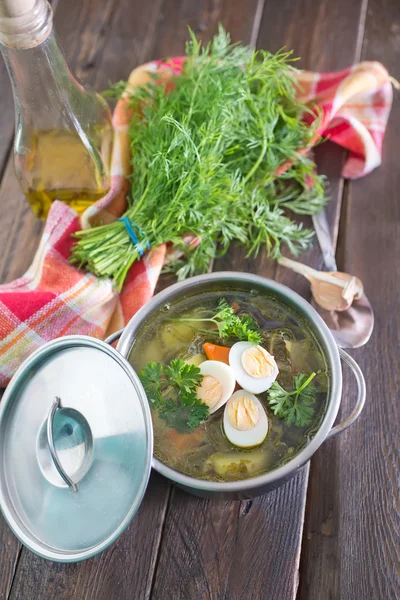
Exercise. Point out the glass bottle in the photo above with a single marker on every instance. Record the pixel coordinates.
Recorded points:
(63, 131)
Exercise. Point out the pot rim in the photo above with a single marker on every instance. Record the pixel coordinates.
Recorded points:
(324, 337)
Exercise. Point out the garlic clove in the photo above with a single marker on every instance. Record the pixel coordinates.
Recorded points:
(332, 290)
(335, 297)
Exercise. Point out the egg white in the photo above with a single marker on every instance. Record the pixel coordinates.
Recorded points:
(224, 374)
(255, 385)
(250, 437)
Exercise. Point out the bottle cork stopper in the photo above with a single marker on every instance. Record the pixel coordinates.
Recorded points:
(15, 8)
(25, 23)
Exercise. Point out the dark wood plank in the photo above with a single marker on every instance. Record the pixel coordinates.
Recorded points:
(10, 550)
(213, 549)
(239, 18)
(352, 530)
(210, 549)
(326, 35)
(20, 231)
(6, 116)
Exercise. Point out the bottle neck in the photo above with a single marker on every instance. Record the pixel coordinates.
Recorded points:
(43, 86)
(25, 23)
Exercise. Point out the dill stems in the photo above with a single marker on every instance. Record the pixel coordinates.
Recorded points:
(205, 156)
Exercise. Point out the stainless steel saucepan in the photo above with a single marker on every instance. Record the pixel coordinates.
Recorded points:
(246, 281)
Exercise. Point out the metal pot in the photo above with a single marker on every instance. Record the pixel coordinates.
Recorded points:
(76, 438)
(230, 281)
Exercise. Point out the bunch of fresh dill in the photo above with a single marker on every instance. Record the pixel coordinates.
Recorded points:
(205, 160)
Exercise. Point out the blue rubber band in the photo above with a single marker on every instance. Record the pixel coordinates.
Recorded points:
(129, 226)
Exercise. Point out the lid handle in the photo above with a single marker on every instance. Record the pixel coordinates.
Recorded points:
(50, 438)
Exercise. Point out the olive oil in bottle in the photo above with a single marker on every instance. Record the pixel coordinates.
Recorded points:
(63, 132)
(60, 168)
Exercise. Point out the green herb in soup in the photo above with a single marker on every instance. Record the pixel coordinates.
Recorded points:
(171, 390)
(295, 406)
(228, 324)
(236, 381)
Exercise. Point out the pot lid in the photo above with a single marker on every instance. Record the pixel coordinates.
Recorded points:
(76, 443)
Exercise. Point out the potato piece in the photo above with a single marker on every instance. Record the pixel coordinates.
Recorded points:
(152, 352)
(234, 465)
(300, 355)
(196, 360)
(168, 336)
(174, 333)
(183, 331)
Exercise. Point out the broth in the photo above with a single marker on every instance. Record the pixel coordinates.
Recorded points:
(206, 453)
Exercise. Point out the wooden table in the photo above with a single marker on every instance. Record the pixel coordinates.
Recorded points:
(333, 531)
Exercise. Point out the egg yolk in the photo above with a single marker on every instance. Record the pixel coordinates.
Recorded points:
(243, 413)
(257, 362)
(209, 391)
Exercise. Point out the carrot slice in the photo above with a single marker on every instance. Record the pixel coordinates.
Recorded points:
(214, 352)
(185, 441)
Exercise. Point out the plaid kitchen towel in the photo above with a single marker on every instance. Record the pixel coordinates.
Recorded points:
(54, 298)
(355, 104)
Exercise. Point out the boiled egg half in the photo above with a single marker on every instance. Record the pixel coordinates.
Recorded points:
(245, 420)
(255, 368)
(217, 384)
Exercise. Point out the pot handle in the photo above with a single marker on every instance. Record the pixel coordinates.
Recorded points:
(361, 391)
(114, 337)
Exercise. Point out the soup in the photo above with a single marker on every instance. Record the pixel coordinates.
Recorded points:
(236, 381)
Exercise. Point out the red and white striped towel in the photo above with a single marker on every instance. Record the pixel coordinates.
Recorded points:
(54, 298)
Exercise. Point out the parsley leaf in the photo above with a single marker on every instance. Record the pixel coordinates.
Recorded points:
(171, 390)
(229, 324)
(183, 376)
(295, 406)
(185, 414)
(151, 378)
(246, 329)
